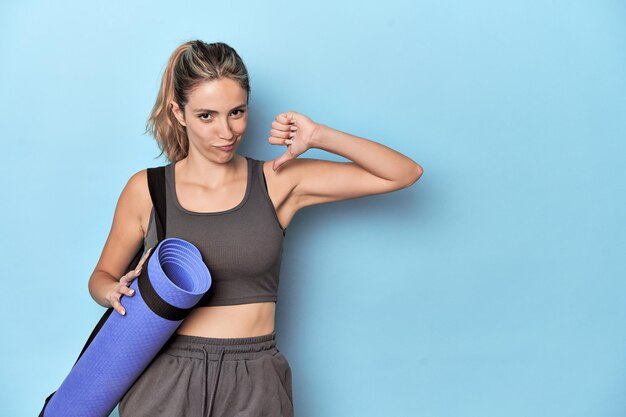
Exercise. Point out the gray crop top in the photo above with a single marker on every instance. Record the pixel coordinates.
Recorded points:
(241, 246)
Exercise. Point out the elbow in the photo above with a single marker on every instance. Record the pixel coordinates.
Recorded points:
(415, 175)
(90, 287)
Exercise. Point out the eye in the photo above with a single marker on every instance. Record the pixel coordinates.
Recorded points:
(203, 116)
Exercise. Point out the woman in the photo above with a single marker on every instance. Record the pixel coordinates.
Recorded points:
(223, 359)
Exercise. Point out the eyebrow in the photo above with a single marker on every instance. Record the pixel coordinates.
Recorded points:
(215, 111)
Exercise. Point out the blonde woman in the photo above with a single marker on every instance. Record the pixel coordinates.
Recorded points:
(223, 359)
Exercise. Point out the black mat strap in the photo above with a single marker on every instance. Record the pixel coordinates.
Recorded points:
(156, 184)
(155, 302)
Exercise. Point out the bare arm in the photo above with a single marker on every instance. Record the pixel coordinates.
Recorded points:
(122, 244)
(374, 167)
(373, 157)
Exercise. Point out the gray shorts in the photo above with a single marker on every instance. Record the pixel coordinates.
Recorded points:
(199, 376)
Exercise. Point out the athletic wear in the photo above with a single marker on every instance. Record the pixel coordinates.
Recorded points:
(241, 246)
(227, 377)
(198, 376)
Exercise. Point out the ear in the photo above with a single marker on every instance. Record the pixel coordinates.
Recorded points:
(178, 113)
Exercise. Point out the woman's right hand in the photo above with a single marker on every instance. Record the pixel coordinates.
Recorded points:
(121, 287)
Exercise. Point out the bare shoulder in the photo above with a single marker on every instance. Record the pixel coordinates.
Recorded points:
(280, 186)
(139, 194)
(280, 183)
(284, 184)
(126, 235)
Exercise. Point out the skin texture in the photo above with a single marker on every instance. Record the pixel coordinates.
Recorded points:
(210, 179)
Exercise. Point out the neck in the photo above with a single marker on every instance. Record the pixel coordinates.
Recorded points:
(212, 174)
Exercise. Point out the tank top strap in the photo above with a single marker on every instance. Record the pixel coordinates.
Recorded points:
(257, 172)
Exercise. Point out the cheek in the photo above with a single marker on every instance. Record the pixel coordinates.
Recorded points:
(197, 128)
(239, 125)
(200, 132)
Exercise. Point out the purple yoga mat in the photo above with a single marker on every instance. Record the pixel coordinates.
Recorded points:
(165, 292)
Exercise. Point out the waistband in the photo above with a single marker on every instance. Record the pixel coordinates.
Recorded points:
(220, 349)
(211, 348)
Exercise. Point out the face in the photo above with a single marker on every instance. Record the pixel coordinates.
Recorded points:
(215, 116)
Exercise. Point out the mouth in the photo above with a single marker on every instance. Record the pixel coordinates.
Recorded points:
(226, 148)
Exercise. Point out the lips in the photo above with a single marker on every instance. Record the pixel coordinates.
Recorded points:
(227, 148)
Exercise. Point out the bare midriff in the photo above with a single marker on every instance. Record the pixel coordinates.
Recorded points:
(232, 321)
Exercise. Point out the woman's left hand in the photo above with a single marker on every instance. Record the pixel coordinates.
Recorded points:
(294, 130)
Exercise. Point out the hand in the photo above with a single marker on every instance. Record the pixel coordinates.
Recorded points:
(121, 288)
(294, 130)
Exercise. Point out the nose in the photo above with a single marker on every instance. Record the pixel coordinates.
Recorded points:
(225, 132)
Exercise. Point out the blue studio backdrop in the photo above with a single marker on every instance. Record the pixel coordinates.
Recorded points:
(493, 286)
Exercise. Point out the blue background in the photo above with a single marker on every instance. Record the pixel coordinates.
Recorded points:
(494, 286)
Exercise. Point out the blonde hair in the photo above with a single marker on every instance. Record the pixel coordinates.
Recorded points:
(189, 65)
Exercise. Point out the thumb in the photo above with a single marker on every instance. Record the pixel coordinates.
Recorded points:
(289, 116)
(143, 259)
(278, 162)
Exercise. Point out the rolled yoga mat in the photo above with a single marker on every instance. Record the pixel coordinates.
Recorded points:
(173, 282)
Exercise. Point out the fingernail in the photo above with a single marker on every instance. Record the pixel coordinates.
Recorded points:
(132, 292)
(293, 128)
(288, 141)
(123, 312)
(138, 271)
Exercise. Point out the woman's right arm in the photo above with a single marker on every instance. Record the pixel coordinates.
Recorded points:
(110, 279)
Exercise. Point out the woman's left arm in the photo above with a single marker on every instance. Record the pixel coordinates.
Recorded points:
(375, 168)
